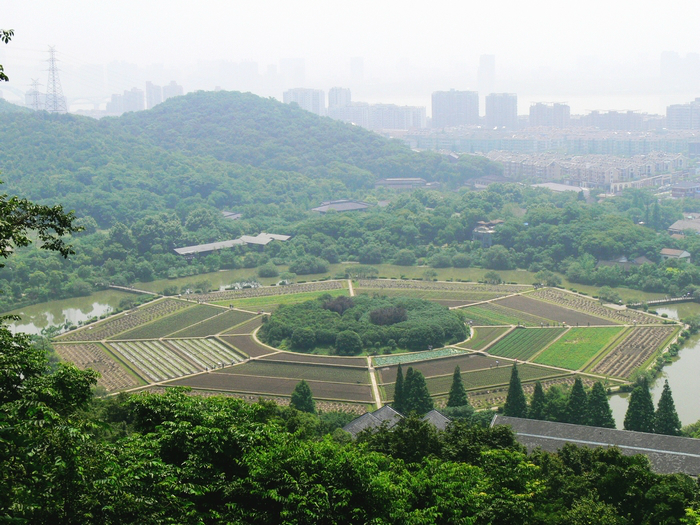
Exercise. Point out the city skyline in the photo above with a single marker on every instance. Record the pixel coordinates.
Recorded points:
(600, 58)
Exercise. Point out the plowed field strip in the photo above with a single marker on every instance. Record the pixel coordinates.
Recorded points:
(247, 327)
(552, 311)
(171, 323)
(299, 371)
(290, 357)
(483, 336)
(436, 367)
(215, 325)
(247, 345)
(275, 386)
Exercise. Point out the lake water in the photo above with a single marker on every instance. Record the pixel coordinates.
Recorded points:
(682, 374)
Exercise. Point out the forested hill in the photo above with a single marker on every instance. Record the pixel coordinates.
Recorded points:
(246, 129)
(220, 150)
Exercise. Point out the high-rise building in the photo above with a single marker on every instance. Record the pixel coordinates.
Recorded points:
(455, 108)
(172, 90)
(550, 115)
(154, 95)
(338, 97)
(133, 100)
(683, 116)
(313, 100)
(502, 110)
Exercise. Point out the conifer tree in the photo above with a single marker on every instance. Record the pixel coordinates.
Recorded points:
(399, 397)
(666, 419)
(516, 404)
(458, 395)
(415, 392)
(577, 404)
(302, 398)
(538, 403)
(599, 413)
(640, 412)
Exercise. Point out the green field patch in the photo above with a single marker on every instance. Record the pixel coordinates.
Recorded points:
(491, 314)
(483, 336)
(269, 302)
(246, 328)
(578, 346)
(388, 360)
(215, 325)
(299, 371)
(171, 323)
(523, 343)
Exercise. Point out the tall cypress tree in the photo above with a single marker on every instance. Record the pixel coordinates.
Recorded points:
(666, 419)
(576, 404)
(416, 396)
(399, 397)
(538, 403)
(458, 395)
(599, 413)
(516, 404)
(640, 412)
(302, 398)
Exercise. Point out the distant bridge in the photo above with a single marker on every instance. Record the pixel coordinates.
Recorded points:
(131, 289)
(668, 300)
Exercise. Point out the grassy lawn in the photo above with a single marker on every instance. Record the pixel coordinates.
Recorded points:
(272, 301)
(578, 346)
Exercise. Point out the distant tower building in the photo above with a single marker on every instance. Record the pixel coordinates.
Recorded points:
(455, 108)
(55, 101)
(683, 116)
(486, 75)
(154, 95)
(550, 115)
(115, 106)
(313, 100)
(502, 111)
(338, 97)
(172, 90)
(133, 100)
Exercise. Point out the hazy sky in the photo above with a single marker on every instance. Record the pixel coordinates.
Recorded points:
(430, 44)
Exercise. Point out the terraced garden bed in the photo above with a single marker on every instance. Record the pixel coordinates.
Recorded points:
(299, 371)
(491, 314)
(593, 307)
(552, 311)
(266, 291)
(275, 386)
(93, 355)
(395, 359)
(638, 346)
(247, 345)
(158, 360)
(483, 336)
(577, 346)
(125, 321)
(290, 357)
(171, 323)
(523, 343)
(442, 366)
(214, 325)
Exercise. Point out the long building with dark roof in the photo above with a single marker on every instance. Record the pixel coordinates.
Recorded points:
(667, 454)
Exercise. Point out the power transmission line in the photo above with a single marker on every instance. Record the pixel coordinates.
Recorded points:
(55, 101)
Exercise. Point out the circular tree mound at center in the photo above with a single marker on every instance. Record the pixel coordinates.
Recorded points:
(351, 325)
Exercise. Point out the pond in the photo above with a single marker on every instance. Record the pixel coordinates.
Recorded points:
(682, 374)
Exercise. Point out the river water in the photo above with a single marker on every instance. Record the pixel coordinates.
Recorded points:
(682, 374)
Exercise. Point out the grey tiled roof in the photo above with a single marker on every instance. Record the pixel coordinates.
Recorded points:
(389, 417)
(667, 454)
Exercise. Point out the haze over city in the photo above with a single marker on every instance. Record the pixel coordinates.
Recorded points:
(622, 55)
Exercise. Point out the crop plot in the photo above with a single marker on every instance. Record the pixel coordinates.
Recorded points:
(235, 296)
(593, 307)
(467, 289)
(275, 386)
(214, 325)
(158, 361)
(171, 323)
(412, 357)
(491, 314)
(577, 346)
(634, 350)
(298, 371)
(523, 343)
(125, 321)
(92, 355)
(552, 311)
(248, 345)
(246, 328)
(292, 357)
(441, 366)
(446, 298)
(483, 336)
